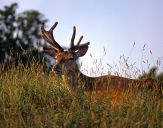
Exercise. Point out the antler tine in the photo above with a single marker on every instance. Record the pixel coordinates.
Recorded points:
(53, 27)
(78, 45)
(80, 39)
(73, 37)
(48, 36)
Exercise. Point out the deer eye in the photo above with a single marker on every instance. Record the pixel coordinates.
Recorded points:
(71, 59)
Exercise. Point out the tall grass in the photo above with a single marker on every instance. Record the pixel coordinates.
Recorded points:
(30, 98)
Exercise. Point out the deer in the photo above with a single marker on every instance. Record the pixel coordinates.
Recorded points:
(66, 66)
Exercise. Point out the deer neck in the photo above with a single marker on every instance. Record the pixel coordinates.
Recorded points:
(77, 79)
(72, 78)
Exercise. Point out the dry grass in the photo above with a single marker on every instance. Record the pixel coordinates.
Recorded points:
(31, 98)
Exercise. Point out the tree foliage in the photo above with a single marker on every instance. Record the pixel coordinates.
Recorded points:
(19, 33)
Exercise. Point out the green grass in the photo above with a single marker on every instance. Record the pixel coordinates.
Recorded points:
(30, 98)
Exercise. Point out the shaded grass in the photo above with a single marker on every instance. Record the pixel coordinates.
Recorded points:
(31, 98)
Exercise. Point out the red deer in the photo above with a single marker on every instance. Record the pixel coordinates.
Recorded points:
(67, 67)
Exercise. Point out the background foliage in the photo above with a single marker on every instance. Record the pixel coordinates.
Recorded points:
(19, 33)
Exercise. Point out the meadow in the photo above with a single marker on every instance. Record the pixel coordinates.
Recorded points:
(31, 98)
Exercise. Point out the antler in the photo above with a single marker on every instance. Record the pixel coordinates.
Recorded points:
(48, 36)
(77, 46)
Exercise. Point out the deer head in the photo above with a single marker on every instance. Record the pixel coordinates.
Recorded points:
(65, 63)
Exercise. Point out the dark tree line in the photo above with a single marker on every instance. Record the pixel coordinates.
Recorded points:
(19, 34)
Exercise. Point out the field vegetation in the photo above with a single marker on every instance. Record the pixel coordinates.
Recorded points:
(30, 97)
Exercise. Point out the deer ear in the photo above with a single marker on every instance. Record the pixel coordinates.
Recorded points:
(50, 51)
(81, 51)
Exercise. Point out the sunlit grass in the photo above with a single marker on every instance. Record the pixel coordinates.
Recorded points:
(31, 98)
